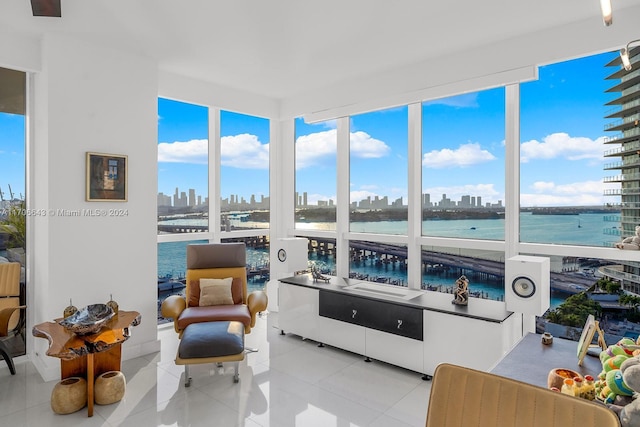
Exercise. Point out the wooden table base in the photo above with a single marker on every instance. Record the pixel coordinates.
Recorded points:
(88, 356)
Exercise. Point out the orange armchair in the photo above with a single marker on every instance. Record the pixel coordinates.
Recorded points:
(227, 263)
(11, 319)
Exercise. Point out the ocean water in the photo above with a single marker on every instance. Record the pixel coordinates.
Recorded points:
(583, 229)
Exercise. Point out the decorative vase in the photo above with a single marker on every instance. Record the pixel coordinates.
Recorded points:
(557, 376)
(109, 387)
(69, 395)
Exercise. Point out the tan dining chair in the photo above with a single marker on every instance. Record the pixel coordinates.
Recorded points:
(462, 397)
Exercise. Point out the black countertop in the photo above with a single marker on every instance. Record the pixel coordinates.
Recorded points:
(481, 309)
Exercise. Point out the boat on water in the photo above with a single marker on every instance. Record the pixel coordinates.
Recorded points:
(170, 286)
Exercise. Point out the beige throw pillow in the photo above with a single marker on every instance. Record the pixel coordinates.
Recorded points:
(216, 292)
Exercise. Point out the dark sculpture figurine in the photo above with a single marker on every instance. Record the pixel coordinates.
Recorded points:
(461, 291)
(318, 276)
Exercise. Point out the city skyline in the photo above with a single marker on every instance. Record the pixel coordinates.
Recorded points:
(191, 199)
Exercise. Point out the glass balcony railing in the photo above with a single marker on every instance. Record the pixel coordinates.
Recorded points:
(629, 119)
(629, 133)
(630, 219)
(619, 108)
(622, 191)
(624, 177)
(617, 273)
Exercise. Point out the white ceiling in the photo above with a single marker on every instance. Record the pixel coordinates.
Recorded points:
(281, 48)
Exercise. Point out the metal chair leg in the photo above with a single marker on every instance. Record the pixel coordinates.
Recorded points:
(187, 378)
(6, 355)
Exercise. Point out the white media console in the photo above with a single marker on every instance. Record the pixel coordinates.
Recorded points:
(410, 328)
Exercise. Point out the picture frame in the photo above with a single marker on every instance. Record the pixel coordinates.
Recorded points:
(591, 326)
(106, 177)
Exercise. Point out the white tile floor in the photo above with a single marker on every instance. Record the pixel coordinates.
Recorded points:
(289, 382)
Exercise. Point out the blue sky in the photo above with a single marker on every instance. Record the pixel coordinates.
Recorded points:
(562, 122)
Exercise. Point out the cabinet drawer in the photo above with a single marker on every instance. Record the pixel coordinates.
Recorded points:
(380, 315)
(342, 307)
(399, 320)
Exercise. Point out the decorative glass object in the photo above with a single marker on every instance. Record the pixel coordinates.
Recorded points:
(70, 309)
(111, 303)
(89, 320)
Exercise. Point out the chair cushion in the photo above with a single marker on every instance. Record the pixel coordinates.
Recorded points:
(212, 339)
(236, 312)
(215, 292)
(194, 292)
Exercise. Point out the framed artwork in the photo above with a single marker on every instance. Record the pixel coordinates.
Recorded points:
(106, 177)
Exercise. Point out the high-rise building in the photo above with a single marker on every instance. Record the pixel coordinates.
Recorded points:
(192, 197)
(164, 200)
(625, 112)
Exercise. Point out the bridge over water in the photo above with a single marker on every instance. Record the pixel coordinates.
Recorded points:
(437, 262)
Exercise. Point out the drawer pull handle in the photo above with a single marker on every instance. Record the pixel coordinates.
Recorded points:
(399, 323)
(353, 316)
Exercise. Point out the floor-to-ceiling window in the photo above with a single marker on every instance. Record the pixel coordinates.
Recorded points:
(183, 189)
(13, 216)
(378, 171)
(463, 190)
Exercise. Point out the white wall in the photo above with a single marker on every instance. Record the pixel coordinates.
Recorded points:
(89, 98)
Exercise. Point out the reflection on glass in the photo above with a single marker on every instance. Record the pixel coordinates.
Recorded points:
(244, 172)
(441, 267)
(378, 171)
(378, 262)
(315, 175)
(257, 260)
(172, 270)
(463, 166)
(183, 189)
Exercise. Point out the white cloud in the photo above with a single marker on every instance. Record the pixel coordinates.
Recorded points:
(244, 151)
(366, 147)
(465, 155)
(315, 146)
(194, 151)
(310, 148)
(545, 193)
(561, 144)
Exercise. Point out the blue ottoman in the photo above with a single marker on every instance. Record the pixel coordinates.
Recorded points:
(211, 342)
